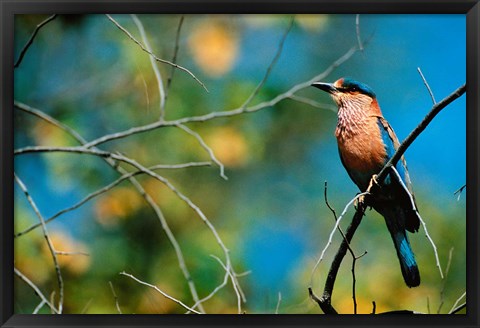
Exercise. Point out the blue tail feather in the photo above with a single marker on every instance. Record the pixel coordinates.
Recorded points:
(395, 217)
(406, 257)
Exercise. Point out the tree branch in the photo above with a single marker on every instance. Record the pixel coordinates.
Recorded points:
(228, 113)
(160, 291)
(151, 54)
(419, 129)
(36, 290)
(47, 239)
(325, 302)
(32, 37)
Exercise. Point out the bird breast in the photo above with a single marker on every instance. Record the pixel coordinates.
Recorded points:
(360, 145)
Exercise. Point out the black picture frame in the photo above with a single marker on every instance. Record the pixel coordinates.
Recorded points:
(8, 8)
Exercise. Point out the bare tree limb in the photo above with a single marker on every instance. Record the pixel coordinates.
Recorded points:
(151, 54)
(47, 239)
(161, 292)
(140, 167)
(444, 282)
(420, 127)
(354, 257)
(270, 67)
(314, 103)
(357, 28)
(36, 290)
(454, 308)
(412, 202)
(156, 71)
(228, 113)
(234, 283)
(426, 84)
(337, 223)
(325, 302)
(107, 188)
(206, 147)
(142, 192)
(175, 53)
(459, 191)
(32, 37)
(39, 307)
(458, 308)
(115, 297)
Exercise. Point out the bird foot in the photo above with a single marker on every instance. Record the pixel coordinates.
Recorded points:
(373, 183)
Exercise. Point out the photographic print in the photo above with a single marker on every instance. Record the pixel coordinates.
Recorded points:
(240, 164)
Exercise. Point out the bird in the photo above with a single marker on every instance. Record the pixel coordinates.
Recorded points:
(366, 142)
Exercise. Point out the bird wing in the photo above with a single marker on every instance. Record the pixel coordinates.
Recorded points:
(391, 145)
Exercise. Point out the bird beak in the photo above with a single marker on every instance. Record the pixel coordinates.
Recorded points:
(327, 87)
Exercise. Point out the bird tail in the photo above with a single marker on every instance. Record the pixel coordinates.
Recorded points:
(405, 255)
(410, 272)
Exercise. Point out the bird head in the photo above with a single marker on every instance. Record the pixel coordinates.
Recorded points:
(347, 90)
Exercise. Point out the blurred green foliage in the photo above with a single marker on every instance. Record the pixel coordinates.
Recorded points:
(83, 71)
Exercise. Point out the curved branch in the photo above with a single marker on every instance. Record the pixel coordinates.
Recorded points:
(30, 41)
(419, 129)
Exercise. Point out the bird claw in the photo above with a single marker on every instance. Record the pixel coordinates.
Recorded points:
(360, 200)
(373, 183)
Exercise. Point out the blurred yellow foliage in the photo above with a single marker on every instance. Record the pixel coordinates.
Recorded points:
(78, 261)
(229, 146)
(46, 134)
(117, 205)
(312, 22)
(33, 267)
(214, 46)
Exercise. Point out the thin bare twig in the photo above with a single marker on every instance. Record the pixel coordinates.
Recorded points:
(151, 54)
(215, 290)
(36, 289)
(330, 237)
(115, 297)
(233, 279)
(47, 239)
(420, 127)
(270, 67)
(39, 306)
(314, 103)
(174, 58)
(107, 188)
(459, 191)
(156, 71)
(426, 84)
(70, 253)
(141, 191)
(357, 29)
(228, 113)
(206, 147)
(32, 37)
(354, 258)
(42, 115)
(325, 302)
(160, 291)
(458, 308)
(412, 202)
(140, 167)
(442, 291)
(454, 308)
(278, 302)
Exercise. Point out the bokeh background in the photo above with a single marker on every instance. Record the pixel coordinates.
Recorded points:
(271, 214)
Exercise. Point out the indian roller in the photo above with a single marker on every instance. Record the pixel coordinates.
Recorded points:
(366, 142)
